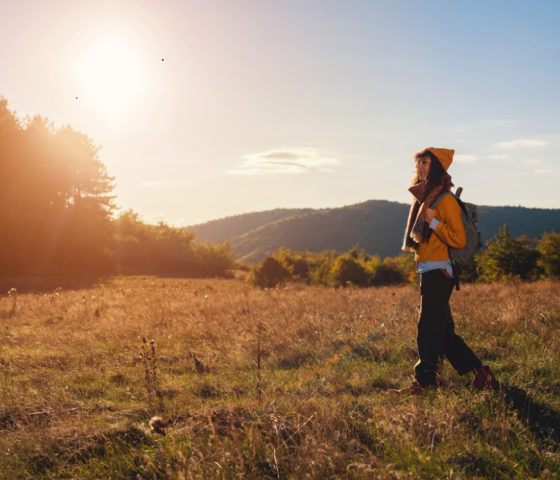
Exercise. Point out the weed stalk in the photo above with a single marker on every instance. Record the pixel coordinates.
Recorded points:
(259, 385)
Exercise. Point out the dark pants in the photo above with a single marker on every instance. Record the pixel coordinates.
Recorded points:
(436, 332)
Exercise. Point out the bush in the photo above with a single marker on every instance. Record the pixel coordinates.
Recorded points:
(295, 263)
(390, 272)
(268, 274)
(507, 257)
(549, 248)
(160, 249)
(321, 268)
(348, 269)
(470, 273)
(214, 259)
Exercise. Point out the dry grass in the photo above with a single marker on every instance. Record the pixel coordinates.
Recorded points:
(76, 398)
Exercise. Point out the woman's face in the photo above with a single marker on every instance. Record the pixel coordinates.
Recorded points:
(423, 167)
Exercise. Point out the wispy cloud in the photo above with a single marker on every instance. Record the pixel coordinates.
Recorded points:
(522, 143)
(466, 158)
(544, 170)
(498, 157)
(534, 161)
(298, 160)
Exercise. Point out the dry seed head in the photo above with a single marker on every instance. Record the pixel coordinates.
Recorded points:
(157, 425)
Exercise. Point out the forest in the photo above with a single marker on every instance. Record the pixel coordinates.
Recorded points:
(58, 215)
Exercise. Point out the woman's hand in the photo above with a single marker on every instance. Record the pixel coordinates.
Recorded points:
(430, 214)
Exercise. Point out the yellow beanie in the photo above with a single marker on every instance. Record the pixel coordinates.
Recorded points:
(444, 155)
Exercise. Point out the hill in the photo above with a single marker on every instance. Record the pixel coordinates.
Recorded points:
(236, 225)
(376, 225)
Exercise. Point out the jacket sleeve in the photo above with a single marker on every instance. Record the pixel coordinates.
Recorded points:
(450, 229)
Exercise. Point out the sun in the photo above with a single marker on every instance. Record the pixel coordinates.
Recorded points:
(113, 74)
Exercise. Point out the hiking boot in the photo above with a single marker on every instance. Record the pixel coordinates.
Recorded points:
(484, 378)
(414, 388)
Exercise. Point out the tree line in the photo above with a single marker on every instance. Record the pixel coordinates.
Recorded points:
(58, 214)
(505, 259)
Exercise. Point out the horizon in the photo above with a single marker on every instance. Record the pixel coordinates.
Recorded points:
(206, 111)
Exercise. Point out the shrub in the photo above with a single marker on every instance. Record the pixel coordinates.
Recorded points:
(214, 258)
(321, 268)
(389, 272)
(372, 265)
(507, 257)
(295, 263)
(268, 274)
(348, 269)
(549, 248)
(470, 273)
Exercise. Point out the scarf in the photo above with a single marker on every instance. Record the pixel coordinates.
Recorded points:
(417, 229)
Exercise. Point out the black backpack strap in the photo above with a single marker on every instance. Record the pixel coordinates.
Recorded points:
(455, 274)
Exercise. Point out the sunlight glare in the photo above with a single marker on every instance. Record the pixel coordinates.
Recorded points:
(113, 75)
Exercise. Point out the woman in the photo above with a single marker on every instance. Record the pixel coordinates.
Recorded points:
(429, 234)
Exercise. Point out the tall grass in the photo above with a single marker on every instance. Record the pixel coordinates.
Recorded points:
(76, 400)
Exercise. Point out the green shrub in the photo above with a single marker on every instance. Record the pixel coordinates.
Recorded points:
(348, 269)
(508, 257)
(268, 274)
(321, 268)
(372, 265)
(214, 259)
(143, 248)
(389, 272)
(295, 263)
(470, 273)
(549, 248)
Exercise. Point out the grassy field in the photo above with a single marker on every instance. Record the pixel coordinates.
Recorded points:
(76, 398)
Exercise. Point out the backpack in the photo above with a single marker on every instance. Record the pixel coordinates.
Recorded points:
(470, 217)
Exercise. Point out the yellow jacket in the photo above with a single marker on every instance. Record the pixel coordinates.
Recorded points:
(449, 233)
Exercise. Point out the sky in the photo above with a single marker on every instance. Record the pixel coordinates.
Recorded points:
(210, 108)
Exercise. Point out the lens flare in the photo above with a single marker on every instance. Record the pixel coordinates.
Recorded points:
(113, 74)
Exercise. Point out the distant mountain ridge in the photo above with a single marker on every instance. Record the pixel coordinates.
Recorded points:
(376, 225)
(229, 227)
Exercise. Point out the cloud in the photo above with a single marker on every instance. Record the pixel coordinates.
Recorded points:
(524, 143)
(465, 158)
(498, 157)
(544, 170)
(534, 161)
(296, 160)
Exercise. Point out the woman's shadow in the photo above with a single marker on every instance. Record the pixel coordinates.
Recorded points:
(541, 419)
